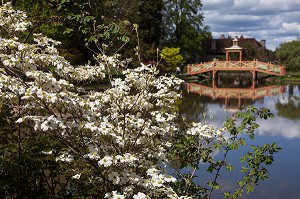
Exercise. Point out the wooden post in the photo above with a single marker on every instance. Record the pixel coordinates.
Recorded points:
(239, 103)
(214, 74)
(188, 87)
(254, 75)
(226, 102)
(227, 56)
(213, 83)
(241, 55)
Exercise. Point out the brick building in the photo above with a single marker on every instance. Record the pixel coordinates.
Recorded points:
(252, 49)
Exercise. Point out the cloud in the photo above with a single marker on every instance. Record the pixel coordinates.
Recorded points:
(272, 127)
(276, 21)
(213, 4)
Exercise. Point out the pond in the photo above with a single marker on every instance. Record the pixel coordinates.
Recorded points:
(224, 98)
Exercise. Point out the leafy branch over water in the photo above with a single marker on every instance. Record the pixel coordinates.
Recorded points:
(191, 152)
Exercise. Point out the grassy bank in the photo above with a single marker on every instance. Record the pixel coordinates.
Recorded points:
(289, 78)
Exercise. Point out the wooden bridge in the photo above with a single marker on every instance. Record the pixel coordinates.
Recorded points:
(234, 93)
(252, 66)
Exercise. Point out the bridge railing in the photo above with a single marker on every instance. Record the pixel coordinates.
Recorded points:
(265, 67)
(269, 67)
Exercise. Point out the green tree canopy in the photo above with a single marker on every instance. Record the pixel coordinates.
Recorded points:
(183, 26)
(162, 23)
(288, 54)
(172, 57)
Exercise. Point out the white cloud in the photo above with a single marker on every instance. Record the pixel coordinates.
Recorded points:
(291, 27)
(276, 21)
(212, 4)
(272, 127)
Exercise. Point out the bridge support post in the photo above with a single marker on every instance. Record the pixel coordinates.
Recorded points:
(253, 84)
(214, 85)
(214, 75)
(254, 75)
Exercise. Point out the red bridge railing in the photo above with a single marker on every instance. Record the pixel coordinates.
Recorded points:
(257, 66)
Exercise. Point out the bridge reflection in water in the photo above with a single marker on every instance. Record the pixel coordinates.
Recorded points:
(233, 96)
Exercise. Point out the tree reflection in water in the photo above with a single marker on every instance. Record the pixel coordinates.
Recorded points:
(289, 106)
(192, 106)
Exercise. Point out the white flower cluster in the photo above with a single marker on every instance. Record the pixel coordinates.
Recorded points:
(123, 130)
(13, 20)
(204, 130)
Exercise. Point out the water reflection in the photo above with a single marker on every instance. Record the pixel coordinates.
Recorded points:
(234, 98)
(288, 106)
(222, 100)
(223, 97)
(287, 110)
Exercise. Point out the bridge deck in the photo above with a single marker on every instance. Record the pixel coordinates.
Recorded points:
(253, 66)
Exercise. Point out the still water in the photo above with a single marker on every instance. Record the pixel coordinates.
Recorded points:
(223, 99)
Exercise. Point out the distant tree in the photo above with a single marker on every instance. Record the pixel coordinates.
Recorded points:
(161, 23)
(172, 58)
(49, 19)
(249, 52)
(183, 26)
(100, 21)
(288, 54)
(150, 27)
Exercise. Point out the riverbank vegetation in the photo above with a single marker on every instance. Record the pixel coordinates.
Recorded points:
(288, 54)
(61, 141)
(177, 24)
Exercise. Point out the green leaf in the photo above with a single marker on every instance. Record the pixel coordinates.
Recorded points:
(249, 188)
(229, 167)
(68, 31)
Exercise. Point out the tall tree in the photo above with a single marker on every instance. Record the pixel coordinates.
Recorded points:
(109, 17)
(150, 20)
(288, 54)
(150, 14)
(183, 26)
(48, 18)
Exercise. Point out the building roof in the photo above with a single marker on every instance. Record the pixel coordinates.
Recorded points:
(217, 46)
(234, 47)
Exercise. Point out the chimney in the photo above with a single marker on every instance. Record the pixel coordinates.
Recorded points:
(263, 43)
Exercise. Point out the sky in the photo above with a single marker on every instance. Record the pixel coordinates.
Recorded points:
(276, 21)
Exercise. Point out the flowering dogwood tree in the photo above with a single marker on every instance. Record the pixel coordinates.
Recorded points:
(115, 142)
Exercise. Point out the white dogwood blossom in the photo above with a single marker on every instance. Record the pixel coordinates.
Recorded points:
(204, 130)
(140, 196)
(120, 134)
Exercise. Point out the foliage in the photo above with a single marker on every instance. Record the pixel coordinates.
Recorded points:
(288, 55)
(97, 22)
(262, 54)
(172, 57)
(106, 21)
(183, 27)
(26, 172)
(66, 142)
(190, 151)
(150, 27)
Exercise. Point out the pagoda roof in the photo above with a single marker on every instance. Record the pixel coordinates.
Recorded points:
(235, 47)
